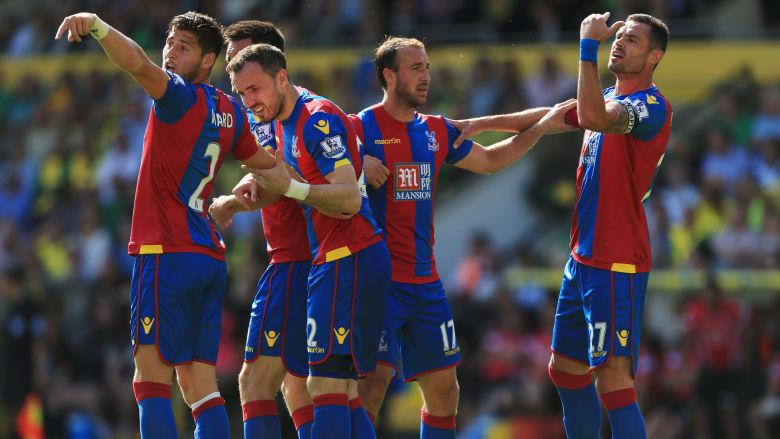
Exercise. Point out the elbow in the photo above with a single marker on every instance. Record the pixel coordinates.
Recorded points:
(353, 204)
(590, 121)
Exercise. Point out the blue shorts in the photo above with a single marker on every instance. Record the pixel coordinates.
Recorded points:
(176, 304)
(599, 314)
(279, 314)
(419, 322)
(346, 307)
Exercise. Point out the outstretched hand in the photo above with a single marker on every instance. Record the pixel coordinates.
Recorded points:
(276, 179)
(554, 121)
(247, 191)
(594, 27)
(77, 26)
(467, 129)
(222, 210)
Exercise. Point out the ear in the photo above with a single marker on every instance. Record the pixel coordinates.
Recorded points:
(389, 75)
(656, 56)
(208, 60)
(282, 77)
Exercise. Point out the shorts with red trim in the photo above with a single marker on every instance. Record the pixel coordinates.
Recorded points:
(277, 324)
(346, 307)
(176, 304)
(599, 314)
(419, 324)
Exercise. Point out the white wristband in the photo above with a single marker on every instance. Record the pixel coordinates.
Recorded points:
(98, 29)
(297, 190)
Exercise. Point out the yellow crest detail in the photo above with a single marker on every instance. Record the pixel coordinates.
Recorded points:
(623, 337)
(271, 337)
(147, 322)
(323, 126)
(341, 334)
(651, 100)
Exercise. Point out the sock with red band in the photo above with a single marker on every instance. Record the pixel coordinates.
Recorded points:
(154, 410)
(436, 427)
(211, 420)
(625, 418)
(303, 418)
(362, 427)
(261, 419)
(331, 417)
(580, 402)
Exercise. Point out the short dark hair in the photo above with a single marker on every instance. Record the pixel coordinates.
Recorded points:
(207, 29)
(659, 31)
(385, 56)
(257, 31)
(270, 58)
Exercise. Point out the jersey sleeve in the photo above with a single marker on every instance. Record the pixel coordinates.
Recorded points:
(264, 133)
(179, 97)
(454, 155)
(246, 145)
(325, 139)
(646, 114)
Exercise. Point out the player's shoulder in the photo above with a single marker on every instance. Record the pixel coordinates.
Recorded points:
(650, 96)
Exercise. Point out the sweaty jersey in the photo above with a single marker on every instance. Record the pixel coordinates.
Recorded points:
(414, 153)
(284, 225)
(615, 175)
(318, 139)
(191, 129)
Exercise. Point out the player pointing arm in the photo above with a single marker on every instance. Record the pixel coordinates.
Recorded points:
(130, 57)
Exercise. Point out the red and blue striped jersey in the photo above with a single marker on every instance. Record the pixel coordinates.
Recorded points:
(414, 153)
(191, 129)
(284, 225)
(319, 138)
(614, 177)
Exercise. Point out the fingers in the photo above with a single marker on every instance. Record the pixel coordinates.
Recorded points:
(61, 29)
(279, 154)
(606, 15)
(75, 26)
(568, 104)
(616, 26)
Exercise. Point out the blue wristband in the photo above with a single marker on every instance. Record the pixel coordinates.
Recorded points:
(589, 49)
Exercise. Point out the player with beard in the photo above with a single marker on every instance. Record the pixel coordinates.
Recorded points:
(410, 148)
(179, 273)
(599, 316)
(350, 272)
(275, 352)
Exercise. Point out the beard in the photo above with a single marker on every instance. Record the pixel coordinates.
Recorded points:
(274, 110)
(408, 98)
(190, 75)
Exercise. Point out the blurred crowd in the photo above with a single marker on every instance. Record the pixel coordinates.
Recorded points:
(69, 156)
(31, 24)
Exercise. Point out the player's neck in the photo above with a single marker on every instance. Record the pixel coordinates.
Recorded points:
(291, 94)
(399, 112)
(628, 85)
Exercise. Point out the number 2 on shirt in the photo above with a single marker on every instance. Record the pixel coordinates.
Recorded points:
(212, 151)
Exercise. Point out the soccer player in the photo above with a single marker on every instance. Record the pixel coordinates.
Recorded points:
(275, 353)
(179, 273)
(599, 315)
(411, 149)
(350, 271)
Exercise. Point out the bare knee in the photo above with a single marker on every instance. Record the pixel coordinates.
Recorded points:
(564, 364)
(295, 393)
(440, 392)
(196, 381)
(150, 367)
(372, 389)
(261, 379)
(615, 375)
